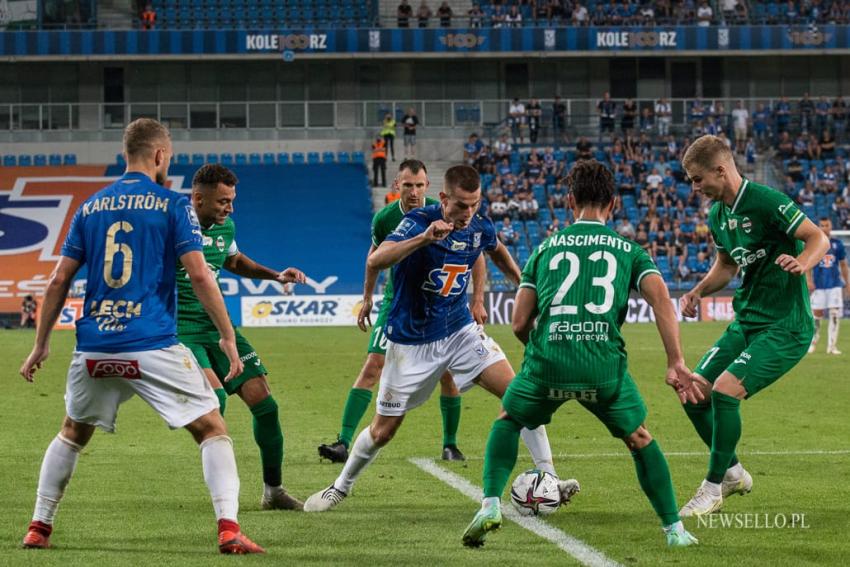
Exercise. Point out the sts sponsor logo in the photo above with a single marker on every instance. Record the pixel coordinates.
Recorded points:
(449, 280)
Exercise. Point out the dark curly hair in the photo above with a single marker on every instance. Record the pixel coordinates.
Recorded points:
(211, 174)
(591, 183)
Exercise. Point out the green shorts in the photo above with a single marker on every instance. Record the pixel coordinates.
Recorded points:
(209, 355)
(378, 339)
(757, 356)
(618, 406)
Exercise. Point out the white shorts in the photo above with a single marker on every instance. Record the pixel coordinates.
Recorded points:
(832, 298)
(169, 380)
(411, 372)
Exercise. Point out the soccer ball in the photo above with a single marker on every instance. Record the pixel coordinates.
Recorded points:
(535, 493)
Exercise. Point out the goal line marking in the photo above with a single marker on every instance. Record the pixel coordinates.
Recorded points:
(582, 552)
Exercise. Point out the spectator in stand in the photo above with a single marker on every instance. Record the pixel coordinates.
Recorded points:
(476, 16)
(528, 205)
(627, 120)
(642, 239)
(513, 19)
(740, 119)
(516, 119)
(822, 109)
(379, 162)
(559, 119)
(654, 180)
(410, 121)
(678, 251)
(502, 149)
(742, 13)
(553, 227)
(704, 14)
(839, 118)
(497, 20)
(701, 230)
(388, 133)
(761, 126)
(701, 267)
(403, 14)
(647, 121)
(794, 169)
(806, 196)
(29, 312)
(556, 197)
(584, 148)
(394, 194)
(827, 145)
(841, 210)
(785, 146)
(827, 180)
(580, 16)
(423, 14)
(148, 18)
(647, 15)
(801, 145)
(599, 17)
(444, 12)
(782, 116)
(727, 8)
(627, 185)
(607, 109)
(626, 229)
(806, 107)
(813, 147)
(506, 233)
(472, 150)
(498, 208)
(535, 113)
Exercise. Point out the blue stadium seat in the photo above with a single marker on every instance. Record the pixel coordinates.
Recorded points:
(55, 159)
(253, 159)
(226, 159)
(343, 157)
(119, 159)
(282, 158)
(297, 158)
(313, 158)
(69, 159)
(268, 158)
(241, 159)
(40, 160)
(212, 158)
(10, 160)
(25, 160)
(328, 157)
(197, 159)
(183, 159)
(358, 157)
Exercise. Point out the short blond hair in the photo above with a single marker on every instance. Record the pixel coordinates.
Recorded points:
(705, 152)
(143, 136)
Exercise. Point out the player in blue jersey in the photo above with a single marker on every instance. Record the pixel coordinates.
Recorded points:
(829, 283)
(131, 235)
(430, 328)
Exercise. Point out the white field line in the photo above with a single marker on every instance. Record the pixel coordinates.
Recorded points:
(625, 454)
(575, 547)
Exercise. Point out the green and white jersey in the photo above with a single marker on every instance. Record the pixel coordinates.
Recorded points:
(219, 244)
(754, 231)
(582, 276)
(383, 223)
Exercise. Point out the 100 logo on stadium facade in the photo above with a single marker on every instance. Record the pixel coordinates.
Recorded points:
(462, 40)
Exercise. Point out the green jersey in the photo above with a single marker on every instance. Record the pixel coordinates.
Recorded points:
(219, 244)
(582, 276)
(383, 223)
(754, 231)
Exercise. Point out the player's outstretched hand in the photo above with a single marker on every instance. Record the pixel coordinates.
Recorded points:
(438, 230)
(364, 317)
(33, 362)
(228, 347)
(292, 275)
(689, 386)
(789, 264)
(689, 304)
(479, 313)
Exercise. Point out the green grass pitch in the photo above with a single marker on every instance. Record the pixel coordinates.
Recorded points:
(138, 496)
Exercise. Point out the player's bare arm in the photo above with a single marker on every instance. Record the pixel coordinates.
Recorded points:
(479, 280)
(505, 262)
(525, 311)
(207, 291)
(54, 300)
(816, 245)
(717, 278)
(390, 253)
(678, 376)
(242, 265)
(364, 317)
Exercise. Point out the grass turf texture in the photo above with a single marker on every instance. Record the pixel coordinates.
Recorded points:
(138, 496)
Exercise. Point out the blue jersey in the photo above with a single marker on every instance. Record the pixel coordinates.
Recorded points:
(131, 235)
(826, 274)
(430, 284)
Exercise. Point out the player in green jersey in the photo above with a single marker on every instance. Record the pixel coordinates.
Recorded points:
(213, 193)
(572, 301)
(762, 233)
(412, 181)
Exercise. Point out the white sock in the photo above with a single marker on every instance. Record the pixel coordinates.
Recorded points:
(363, 451)
(221, 476)
(712, 488)
(270, 491)
(58, 465)
(677, 527)
(491, 501)
(538, 445)
(817, 331)
(735, 471)
(832, 335)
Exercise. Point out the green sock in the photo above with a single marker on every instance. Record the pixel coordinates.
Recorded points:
(702, 416)
(450, 408)
(654, 477)
(355, 406)
(269, 438)
(500, 456)
(727, 432)
(221, 394)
